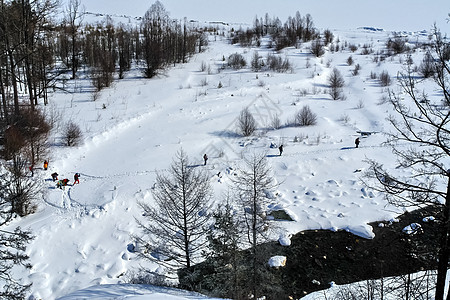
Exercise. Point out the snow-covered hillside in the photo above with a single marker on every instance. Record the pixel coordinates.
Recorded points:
(83, 234)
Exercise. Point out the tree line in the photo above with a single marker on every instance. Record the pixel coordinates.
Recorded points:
(35, 50)
(292, 32)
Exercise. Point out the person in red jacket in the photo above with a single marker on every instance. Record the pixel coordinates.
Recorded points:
(76, 178)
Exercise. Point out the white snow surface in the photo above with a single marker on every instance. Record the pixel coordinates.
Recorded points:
(83, 233)
(132, 292)
(277, 261)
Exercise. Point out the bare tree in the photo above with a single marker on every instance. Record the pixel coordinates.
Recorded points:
(424, 124)
(336, 82)
(73, 17)
(254, 180)
(175, 224)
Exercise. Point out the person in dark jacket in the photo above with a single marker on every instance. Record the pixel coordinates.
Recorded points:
(55, 176)
(205, 158)
(280, 149)
(357, 142)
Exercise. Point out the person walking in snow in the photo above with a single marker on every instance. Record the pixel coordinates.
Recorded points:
(280, 149)
(45, 165)
(54, 176)
(356, 142)
(205, 158)
(76, 178)
(62, 183)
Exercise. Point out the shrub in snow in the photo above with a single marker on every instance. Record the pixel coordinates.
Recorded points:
(236, 61)
(385, 78)
(305, 117)
(397, 44)
(277, 64)
(350, 60)
(355, 71)
(246, 122)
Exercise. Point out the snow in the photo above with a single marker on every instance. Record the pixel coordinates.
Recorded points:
(277, 261)
(413, 228)
(361, 288)
(284, 240)
(84, 245)
(429, 219)
(132, 292)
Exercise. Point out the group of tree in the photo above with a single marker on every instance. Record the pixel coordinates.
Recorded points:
(420, 139)
(37, 51)
(295, 30)
(37, 55)
(177, 229)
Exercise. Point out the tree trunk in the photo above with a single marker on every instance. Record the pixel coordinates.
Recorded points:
(13, 79)
(254, 232)
(3, 94)
(444, 248)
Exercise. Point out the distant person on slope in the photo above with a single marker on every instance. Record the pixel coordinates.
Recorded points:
(205, 158)
(356, 142)
(54, 176)
(280, 149)
(62, 183)
(45, 165)
(76, 178)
